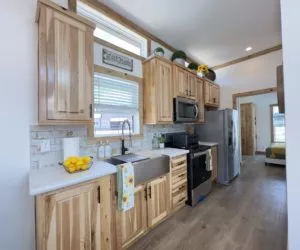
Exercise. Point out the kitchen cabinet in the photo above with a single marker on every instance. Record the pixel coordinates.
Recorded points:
(184, 82)
(158, 202)
(134, 221)
(65, 66)
(78, 217)
(214, 155)
(200, 98)
(158, 91)
(178, 171)
(151, 206)
(211, 94)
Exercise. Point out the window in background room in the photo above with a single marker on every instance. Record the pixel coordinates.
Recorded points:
(278, 124)
(115, 100)
(113, 32)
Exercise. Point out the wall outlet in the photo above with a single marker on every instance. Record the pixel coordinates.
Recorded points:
(45, 146)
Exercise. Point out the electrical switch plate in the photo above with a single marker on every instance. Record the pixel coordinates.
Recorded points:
(45, 146)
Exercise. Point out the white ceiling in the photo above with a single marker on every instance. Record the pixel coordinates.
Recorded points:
(210, 31)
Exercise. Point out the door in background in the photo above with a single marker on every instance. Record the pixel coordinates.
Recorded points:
(248, 128)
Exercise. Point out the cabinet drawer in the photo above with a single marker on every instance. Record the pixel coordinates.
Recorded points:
(178, 160)
(179, 179)
(179, 199)
(182, 188)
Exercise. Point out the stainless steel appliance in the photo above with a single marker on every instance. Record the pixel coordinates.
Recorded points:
(185, 110)
(221, 126)
(199, 178)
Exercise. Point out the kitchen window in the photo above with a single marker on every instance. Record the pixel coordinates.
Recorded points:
(277, 125)
(113, 32)
(115, 100)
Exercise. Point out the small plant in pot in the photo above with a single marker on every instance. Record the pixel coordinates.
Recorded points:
(179, 57)
(193, 66)
(159, 51)
(161, 141)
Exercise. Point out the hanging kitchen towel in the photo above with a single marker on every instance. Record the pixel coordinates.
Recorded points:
(209, 165)
(125, 182)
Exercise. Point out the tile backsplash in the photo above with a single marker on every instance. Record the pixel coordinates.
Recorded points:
(55, 135)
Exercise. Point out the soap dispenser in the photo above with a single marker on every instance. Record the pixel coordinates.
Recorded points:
(101, 151)
(108, 150)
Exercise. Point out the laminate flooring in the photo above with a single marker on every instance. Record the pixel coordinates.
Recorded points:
(250, 214)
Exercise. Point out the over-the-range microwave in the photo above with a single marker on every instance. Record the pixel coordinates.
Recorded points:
(185, 110)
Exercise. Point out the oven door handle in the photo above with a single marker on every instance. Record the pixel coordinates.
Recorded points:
(199, 154)
(197, 110)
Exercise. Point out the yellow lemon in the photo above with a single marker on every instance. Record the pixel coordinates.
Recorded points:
(84, 166)
(86, 159)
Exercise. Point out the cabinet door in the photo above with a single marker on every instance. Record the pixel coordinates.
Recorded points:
(71, 219)
(134, 221)
(66, 67)
(207, 92)
(200, 98)
(215, 95)
(158, 199)
(164, 92)
(180, 82)
(192, 91)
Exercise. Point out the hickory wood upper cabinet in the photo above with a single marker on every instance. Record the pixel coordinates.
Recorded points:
(200, 98)
(211, 94)
(184, 82)
(77, 217)
(134, 221)
(158, 91)
(65, 66)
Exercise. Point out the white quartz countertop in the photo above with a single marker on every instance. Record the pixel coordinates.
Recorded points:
(209, 144)
(171, 152)
(53, 178)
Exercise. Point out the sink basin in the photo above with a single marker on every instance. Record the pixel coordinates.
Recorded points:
(145, 169)
(130, 158)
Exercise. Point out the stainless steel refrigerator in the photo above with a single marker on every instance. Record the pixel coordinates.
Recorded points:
(221, 126)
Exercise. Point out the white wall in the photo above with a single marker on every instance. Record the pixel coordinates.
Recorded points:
(253, 74)
(18, 79)
(290, 20)
(263, 117)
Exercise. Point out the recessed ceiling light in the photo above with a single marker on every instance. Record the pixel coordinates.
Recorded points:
(248, 49)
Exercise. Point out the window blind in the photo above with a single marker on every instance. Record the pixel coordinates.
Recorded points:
(115, 94)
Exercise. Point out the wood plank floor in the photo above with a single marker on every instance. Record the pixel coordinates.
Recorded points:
(250, 214)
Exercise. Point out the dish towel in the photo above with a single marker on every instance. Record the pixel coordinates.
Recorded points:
(209, 165)
(125, 182)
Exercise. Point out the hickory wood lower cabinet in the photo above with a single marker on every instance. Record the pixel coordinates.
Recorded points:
(77, 217)
(151, 206)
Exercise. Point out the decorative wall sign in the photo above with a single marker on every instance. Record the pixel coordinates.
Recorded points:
(111, 58)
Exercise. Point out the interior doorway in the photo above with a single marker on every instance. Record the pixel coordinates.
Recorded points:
(248, 128)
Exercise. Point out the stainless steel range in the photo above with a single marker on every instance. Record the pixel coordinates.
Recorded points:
(199, 178)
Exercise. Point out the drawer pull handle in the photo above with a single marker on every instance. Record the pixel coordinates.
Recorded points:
(179, 176)
(182, 187)
(182, 199)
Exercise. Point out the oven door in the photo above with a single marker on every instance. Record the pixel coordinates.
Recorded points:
(185, 110)
(198, 172)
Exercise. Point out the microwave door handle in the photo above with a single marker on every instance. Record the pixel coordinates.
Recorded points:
(197, 110)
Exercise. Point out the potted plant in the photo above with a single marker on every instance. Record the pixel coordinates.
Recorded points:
(161, 141)
(202, 70)
(193, 66)
(179, 57)
(159, 51)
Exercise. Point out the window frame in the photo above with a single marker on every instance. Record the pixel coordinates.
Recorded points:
(272, 124)
(125, 76)
(132, 34)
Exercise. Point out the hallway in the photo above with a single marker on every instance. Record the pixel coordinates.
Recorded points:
(250, 214)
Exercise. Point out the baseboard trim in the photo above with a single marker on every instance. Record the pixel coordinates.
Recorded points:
(260, 153)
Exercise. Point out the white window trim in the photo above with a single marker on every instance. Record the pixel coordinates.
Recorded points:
(111, 26)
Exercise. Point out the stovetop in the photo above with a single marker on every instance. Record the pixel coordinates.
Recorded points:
(184, 141)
